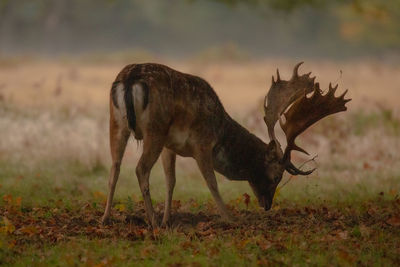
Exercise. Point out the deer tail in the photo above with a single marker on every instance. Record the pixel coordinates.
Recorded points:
(131, 91)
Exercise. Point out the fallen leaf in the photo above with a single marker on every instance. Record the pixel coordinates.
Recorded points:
(264, 244)
(18, 201)
(365, 231)
(393, 192)
(99, 195)
(8, 199)
(121, 207)
(246, 199)
(343, 234)
(176, 205)
(367, 166)
(393, 221)
(12, 243)
(346, 256)
(30, 230)
(8, 226)
(243, 243)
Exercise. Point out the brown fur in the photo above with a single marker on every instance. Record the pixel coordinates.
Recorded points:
(181, 114)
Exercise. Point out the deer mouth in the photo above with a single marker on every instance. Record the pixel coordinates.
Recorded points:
(265, 203)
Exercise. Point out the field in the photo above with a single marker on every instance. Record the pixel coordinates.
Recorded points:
(54, 166)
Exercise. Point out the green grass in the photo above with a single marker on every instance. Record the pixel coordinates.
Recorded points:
(299, 236)
(173, 248)
(49, 181)
(325, 219)
(366, 121)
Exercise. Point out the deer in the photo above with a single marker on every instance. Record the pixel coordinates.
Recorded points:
(175, 113)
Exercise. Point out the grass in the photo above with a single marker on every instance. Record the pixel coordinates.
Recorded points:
(320, 220)
(54, 167)
(384, 118)
(294, 234)
(173, 249)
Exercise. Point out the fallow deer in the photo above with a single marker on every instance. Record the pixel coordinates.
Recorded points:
(180, 114)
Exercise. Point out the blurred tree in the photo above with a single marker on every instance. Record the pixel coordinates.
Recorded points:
(309, 27)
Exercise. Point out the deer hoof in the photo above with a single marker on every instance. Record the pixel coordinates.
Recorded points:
(105, 220)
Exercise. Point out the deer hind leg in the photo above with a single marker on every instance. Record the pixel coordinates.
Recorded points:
(168, 160)
(204, 161)
(152, 147)
(119, 136)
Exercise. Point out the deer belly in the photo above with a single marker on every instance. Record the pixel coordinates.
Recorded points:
(224, 166)
(178, 141)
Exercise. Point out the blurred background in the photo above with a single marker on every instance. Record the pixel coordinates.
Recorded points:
(59, 58)
(182, 28)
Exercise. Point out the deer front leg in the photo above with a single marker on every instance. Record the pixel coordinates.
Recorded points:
(168, 160)
(118, 139)
(204, 161)
(152, 148)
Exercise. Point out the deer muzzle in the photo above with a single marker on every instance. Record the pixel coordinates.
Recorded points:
(265, 203)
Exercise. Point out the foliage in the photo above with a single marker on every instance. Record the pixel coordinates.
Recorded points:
(181, 27)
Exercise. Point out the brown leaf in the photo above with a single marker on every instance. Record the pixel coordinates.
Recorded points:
(365, 231)
(394, 221)
(242, 243)
(18, 201)
(176, 205)
(8, 199)
(29, 230)
(346, 256)
(246, 199)
(367, 166)
(343, 235)
(264, 244)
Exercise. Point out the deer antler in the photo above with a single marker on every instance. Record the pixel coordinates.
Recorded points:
(282, 94)
(305, 112)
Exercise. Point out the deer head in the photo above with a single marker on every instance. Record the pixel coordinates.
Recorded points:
(289, 99)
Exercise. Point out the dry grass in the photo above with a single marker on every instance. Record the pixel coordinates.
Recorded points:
(58, 109)
(239, 85)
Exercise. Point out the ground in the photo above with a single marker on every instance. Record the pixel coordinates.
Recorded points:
(54, 166)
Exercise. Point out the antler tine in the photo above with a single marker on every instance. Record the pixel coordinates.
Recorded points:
(332, 90)
(343, 95)
(278, 77)
(305, 112)
(296, 69)
(290, 168)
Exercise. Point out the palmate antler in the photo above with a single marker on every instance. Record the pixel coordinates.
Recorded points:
(282, 94)
(304, 112)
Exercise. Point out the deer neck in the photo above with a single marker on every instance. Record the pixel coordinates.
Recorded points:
(238, 154)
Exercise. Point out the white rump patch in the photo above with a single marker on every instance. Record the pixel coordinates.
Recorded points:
(119, 90)
(138, 99)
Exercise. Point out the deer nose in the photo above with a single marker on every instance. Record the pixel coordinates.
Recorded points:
(267, 203)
